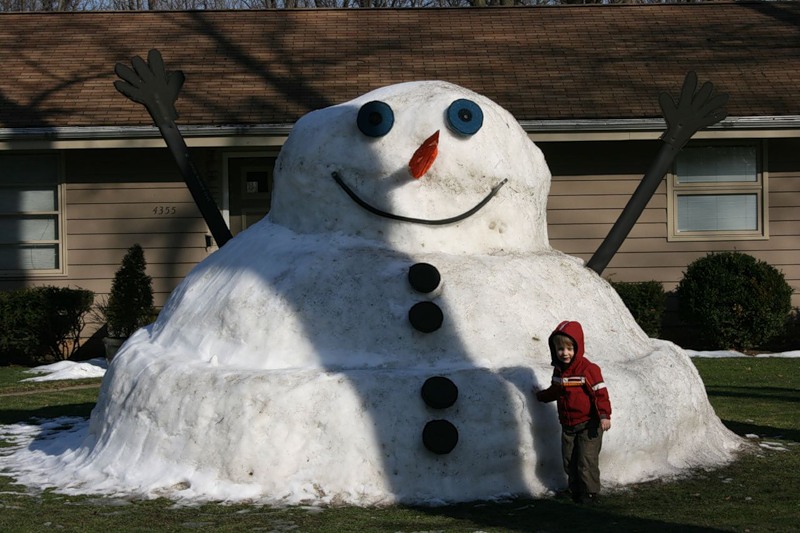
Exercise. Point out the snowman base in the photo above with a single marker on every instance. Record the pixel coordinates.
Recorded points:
(305, 436)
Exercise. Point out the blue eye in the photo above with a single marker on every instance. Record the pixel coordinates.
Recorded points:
(375, 119)
(464, 117)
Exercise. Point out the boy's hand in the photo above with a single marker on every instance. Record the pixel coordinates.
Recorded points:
(546, 395)
(605, 424)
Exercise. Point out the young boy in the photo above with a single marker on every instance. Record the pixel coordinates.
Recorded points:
(584, 410)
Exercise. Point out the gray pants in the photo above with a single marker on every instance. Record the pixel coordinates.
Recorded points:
(580, 449)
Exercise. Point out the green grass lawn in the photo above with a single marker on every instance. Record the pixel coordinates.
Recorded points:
(759, 492)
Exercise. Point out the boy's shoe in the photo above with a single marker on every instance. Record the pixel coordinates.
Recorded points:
(590, 498)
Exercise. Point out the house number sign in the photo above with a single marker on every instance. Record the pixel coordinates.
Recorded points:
(165, 210)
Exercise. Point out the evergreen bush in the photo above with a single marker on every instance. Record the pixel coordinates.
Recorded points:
(735, 301)
(646, 300)
(42, 323)
(66, 314)
(130, 303)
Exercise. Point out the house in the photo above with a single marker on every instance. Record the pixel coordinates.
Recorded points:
(84, 174)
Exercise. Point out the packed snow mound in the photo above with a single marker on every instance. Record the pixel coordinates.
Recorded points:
(289, 367)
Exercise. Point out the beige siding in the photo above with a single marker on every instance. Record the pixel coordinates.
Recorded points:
(117, 198)
(584, 203)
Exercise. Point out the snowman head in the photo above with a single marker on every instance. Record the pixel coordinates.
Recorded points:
(420, 166)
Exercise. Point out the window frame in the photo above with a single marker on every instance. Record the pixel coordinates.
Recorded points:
(60, 217)
(759, 188)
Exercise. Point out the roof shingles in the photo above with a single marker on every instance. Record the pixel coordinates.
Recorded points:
(271, 67)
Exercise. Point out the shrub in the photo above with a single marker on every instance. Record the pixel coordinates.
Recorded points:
(646, 301)
(66, 312)
(736, 301)
(21, 315)
(789, 338)
(42, 323)
(130, 303)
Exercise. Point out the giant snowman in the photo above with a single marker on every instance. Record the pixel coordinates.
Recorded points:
(377, 337)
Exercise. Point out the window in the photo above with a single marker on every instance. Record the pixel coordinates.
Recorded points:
(30, 208)
(717, 192)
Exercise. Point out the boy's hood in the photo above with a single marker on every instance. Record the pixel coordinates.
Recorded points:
(574, 331)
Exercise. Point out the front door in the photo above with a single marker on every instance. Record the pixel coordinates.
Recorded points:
(250, 189)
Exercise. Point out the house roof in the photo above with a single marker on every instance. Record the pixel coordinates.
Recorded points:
(562, 63)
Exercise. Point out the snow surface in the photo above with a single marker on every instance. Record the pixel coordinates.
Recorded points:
(731, 353)
(284, 369)
(95, 368)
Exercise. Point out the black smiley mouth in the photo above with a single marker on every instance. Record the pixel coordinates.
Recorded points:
(436, 222)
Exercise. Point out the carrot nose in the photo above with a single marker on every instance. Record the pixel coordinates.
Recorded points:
(424, 157)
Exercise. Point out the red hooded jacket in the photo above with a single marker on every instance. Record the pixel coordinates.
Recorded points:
(578, 387)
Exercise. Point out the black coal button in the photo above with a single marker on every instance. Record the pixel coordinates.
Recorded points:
(424, 277)
(425, 317)
(440, 436)
(439, 392)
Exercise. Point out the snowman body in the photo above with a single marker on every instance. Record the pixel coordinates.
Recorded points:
(378, 336)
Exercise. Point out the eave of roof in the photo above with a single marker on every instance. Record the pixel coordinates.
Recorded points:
(273, 135)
